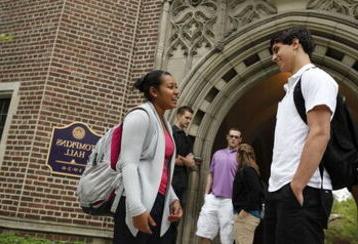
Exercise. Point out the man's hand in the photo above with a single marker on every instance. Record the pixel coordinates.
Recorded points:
(143, 222)
(188, 161)
(297, 191)
(179, 161)
(176, 211)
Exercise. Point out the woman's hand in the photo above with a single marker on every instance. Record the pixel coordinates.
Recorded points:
(243, 214)
(176, 211)
(143, 222)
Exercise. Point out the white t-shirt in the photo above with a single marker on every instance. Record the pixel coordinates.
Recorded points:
(318, 88)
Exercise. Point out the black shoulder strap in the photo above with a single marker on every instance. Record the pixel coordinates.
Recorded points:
(300, 101)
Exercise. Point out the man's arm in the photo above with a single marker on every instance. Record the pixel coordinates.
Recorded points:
(179, 161)
(189, 161)
(318, 121)
(209, 183)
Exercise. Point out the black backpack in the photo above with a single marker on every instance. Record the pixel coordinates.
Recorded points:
(341, 156)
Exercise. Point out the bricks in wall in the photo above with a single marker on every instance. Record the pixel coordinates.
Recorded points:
(145, 48)
(76, 61)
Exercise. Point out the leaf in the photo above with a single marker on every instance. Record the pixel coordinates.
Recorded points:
(6, 37)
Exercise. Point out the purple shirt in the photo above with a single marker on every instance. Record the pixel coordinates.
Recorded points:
(223, 169)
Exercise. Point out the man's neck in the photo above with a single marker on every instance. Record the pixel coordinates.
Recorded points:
(178, 125)
(299, 63)
(233, 148)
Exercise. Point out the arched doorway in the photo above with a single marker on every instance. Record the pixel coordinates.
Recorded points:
(237, 84)
(254, 114)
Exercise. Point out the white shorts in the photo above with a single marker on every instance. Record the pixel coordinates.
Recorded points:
(216, 214)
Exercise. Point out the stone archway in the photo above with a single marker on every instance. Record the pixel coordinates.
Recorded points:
(241, 62)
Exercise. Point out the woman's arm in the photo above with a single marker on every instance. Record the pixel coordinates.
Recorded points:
(135, 127)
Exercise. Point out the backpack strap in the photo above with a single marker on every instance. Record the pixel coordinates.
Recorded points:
(300, 101)
(298, 98)
(118, 196)
(300, 105)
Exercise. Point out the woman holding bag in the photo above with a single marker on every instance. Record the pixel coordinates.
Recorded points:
(149, 204)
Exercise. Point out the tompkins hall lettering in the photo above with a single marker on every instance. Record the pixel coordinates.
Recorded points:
(70, 148)
(75, 148)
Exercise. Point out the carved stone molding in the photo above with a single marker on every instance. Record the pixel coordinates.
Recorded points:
(243, 12)
(192, 24)
(343, 7)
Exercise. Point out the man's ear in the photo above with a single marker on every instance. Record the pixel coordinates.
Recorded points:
(295, 43)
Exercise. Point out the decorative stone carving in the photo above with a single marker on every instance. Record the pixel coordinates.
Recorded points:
(192, 24)
(344, 7)
(355, 10)
(195, 2)
(242, 12)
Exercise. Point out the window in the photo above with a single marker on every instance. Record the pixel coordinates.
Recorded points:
(8, 105)
(4, 107)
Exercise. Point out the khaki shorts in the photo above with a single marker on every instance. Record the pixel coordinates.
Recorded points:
(244, 228)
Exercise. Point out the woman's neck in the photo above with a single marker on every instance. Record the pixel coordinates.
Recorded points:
(160, 113)
(159, 110)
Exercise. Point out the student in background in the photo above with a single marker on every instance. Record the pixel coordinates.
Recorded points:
(247, 196)
(217, 212)
(184, 162)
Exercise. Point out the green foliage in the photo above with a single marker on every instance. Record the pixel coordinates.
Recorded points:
(11, 238)
(343, 227)
(6, 37)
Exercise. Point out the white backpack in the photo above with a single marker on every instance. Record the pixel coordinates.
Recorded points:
(100, 187)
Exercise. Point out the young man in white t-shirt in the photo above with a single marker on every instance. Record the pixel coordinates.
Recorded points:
(298, 205)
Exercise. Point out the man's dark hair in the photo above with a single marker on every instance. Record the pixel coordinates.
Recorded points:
(287, 36)
(233, 128)
(184, 109)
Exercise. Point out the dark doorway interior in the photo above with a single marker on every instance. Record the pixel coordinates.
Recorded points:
(254, 114)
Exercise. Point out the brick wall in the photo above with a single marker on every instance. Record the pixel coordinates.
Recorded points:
(145, 48)
(26, 60)
(75, 60)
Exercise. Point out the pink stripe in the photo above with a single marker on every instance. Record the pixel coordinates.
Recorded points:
(116, 145)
